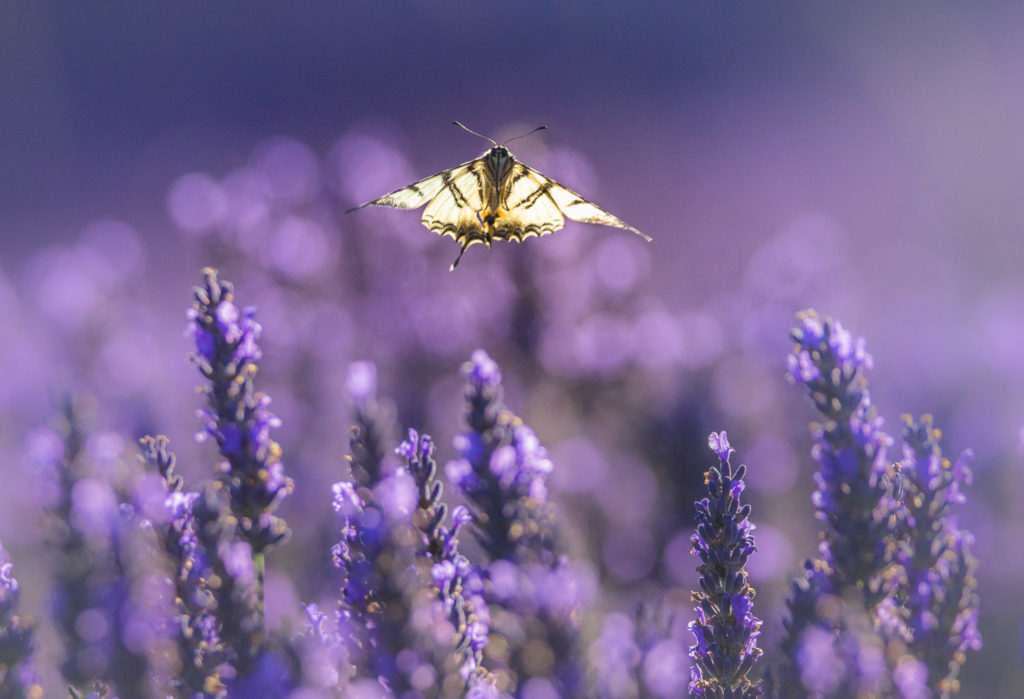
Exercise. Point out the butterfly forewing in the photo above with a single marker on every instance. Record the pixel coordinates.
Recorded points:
(579, 209)
(413, 196)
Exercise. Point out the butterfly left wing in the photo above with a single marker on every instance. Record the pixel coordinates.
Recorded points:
(536, 199)
(412, 196)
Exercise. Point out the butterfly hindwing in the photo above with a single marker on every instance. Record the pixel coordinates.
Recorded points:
(526, 208)
(454, 210)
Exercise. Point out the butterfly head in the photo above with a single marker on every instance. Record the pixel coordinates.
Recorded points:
(499, 161)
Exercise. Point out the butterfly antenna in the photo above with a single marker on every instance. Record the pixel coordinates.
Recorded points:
(528, 133)
(463, 126)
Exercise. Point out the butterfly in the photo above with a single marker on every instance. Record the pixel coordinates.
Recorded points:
(495, 197)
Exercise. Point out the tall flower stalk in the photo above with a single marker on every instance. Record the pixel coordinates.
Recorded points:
(17, 679)
(237, 417)
(457, 585)
(503, 473)
(939, 568)
(725, 629)
(89, 530)
(852, 501)
(375, 509)
(202, 653)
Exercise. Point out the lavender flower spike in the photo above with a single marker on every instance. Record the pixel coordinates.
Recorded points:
(237, 416)
(16, 645)
(942, 597)
(450, 570)
(725, 630)
(201, 650)
(852, 499)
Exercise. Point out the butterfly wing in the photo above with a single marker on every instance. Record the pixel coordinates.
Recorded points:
(567, 202)
(526, 209)
(454, 200)
(455, 208)
(413, 196)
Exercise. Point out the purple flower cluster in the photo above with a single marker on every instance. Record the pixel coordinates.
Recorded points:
(891, 604)
(938, 566)
(725, 629)
(202, 653)
(375, 554)
(457, 583)
(415, 609)
(850, 447)
(503, 473)
(17, 679)
(216, 537)
(92, 532)
(237, 416)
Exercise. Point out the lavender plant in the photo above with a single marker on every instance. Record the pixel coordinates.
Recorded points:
(202, 655)
(86, 528)
(725, 629)
(17, 678)
(237, 416)
(379, 591)
(503, 472)
(457, 584)
(895, 578)
(217, 537)
(939, 568)
(852, 500)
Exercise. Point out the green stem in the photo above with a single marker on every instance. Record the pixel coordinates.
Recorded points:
(259, 563)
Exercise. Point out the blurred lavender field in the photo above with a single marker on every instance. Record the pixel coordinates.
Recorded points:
(864, 162)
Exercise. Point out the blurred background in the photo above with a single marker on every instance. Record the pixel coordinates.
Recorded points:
(865, 161)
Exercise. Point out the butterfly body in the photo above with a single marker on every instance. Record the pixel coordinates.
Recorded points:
(495, 197)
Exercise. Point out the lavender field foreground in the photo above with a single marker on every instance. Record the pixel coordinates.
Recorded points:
(162, 584)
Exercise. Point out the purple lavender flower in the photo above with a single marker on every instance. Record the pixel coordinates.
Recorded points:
(503, 469)
(376, 550)
(17, 680)
(725, 630)
(450, 570)
(91, 537)
(503, 472)
(852, 499)
(222, 645)
(941, 590)
(237, 416)
(202, 653)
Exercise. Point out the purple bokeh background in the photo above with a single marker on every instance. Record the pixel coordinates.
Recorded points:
(865, 161)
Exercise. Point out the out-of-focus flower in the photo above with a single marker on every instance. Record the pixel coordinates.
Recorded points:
(202, 654)
(852, 499)
(503, 472)
(939, 568)
(725, 629)
(17, 679)
(89, 533)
